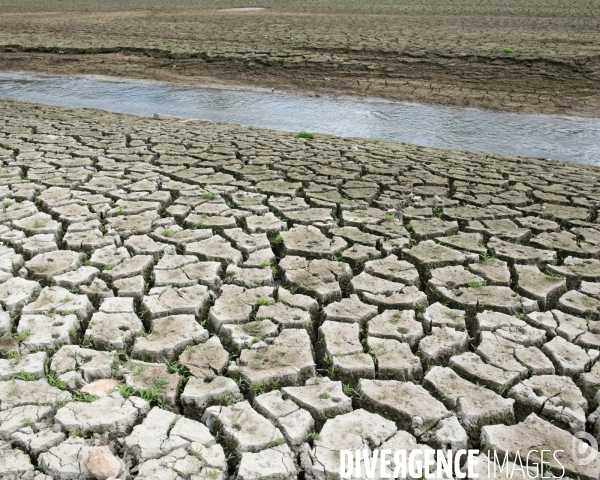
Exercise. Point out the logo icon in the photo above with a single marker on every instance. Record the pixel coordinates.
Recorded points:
(584, 453)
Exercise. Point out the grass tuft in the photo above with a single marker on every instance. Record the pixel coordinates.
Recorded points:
(304, 134)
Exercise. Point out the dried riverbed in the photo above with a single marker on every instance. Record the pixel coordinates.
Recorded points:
(192, 300)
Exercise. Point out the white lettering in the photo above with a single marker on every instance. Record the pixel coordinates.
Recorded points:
(428, 463)
(521, 469)
(531, 474)
(457, 471)
(384, 470)
(412, 463)
(497, 462)
(444, 464)
(471, 462)
(370, 463)
(544, 462)
(558, 461)
(346, 456)
(400, 464)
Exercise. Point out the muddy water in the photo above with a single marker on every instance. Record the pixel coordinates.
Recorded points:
(550, 136)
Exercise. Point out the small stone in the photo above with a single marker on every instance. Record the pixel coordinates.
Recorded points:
(103, 464)
(100, 388)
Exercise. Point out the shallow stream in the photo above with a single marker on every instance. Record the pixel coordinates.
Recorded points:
(566, 138)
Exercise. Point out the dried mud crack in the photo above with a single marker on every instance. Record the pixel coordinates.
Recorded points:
(188, 300)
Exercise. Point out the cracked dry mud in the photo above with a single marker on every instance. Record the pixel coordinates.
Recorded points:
(187, 300)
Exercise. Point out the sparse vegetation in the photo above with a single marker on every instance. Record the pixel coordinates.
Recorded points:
(304, 134)
(27, 377)
(19, 336)
(79, 396)
(264, 301)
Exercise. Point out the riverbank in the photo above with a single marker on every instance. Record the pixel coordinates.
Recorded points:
(514, 56)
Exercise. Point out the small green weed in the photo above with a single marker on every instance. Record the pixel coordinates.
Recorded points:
(27, 377)
(79, 396)
(18, 337)
(304, 134)
(264, 301)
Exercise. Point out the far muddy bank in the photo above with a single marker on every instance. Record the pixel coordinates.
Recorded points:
(512, 86)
